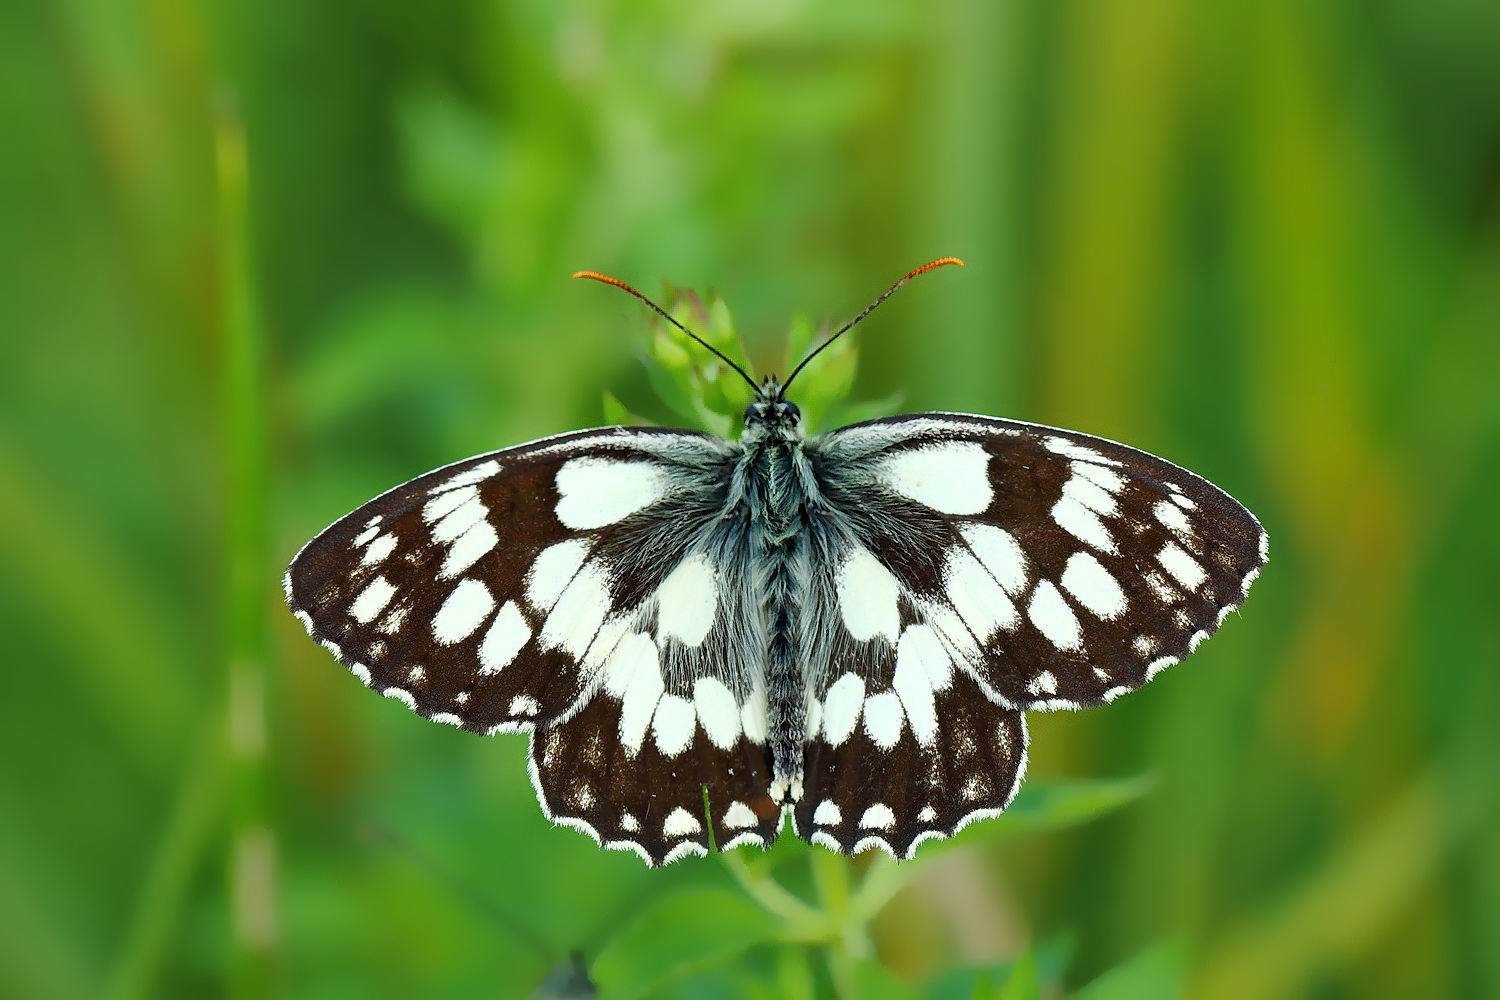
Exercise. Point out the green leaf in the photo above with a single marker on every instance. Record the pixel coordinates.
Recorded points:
(1158, 973)
(616, 413)
(1053, 806)
(672, 387)
(1047, 962)
(695, 384)
(676, 936)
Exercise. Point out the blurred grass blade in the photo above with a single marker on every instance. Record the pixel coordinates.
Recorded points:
(252, 846)
(1158, 973)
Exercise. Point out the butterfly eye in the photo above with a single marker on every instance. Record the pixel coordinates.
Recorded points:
(753, 411)
(790, 411)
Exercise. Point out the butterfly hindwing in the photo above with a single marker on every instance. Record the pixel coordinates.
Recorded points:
(650, 798)
(902, 744)
(583, 587)
(1060, 569)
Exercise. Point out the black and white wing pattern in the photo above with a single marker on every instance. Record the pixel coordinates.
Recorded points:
(968, 569)
(581, 588)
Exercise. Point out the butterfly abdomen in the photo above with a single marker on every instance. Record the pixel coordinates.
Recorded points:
(776, 506)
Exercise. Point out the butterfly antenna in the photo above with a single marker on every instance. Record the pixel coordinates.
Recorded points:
(606, 279)
(940, 262)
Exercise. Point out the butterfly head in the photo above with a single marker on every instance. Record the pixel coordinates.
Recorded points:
(772, 412)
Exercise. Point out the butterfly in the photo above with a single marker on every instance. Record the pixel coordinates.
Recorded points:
(704, 637)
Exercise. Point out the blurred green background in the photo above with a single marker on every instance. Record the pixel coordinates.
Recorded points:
(259, 262)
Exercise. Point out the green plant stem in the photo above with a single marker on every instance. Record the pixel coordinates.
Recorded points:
(800, 922)
(252, 846)
(849, 940)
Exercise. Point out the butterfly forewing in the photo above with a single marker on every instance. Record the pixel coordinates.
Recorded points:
(1059, 569)
(584, 586)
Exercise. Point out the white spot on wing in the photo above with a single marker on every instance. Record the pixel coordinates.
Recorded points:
(1183, 567)
(444, 504)
(1171, 515)
(1000, 553)
(1159, 587)
(867, 597)
(1089, 493)
(371, 601)
(754, 714)
(468, 549)
(633, 675)
(629, 823)
(1062, 446)
(1082, 523)
(578, 613)
(673, 725)
(524, 704)
(976, 595)
(687, 599)
(927, 815)
(554, 567)
(717, 711)
(878, 817)
(922, 669)
(952, 477)
(1105, 479)
(505, 638)
(681, 823)
(483, 470)
(378, 550)
(975, 787)
(841, 707)
(594, 492)
(458, 520)
(1052, 616)
(1092, 586)
(739, 816)
(883, 719)
(828, 814)
(465, 610)
(1043, 683)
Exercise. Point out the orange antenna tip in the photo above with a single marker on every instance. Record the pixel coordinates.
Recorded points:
(941, 261)
(616, 282)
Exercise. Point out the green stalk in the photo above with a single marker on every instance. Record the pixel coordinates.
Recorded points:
(252, 846)
(849, 941)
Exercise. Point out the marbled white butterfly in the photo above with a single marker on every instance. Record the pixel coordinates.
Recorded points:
(703, 635)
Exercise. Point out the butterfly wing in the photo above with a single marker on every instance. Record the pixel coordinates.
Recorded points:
(974, 568)
(584, 588)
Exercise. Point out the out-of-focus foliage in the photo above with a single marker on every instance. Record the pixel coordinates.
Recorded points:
(261, 261)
